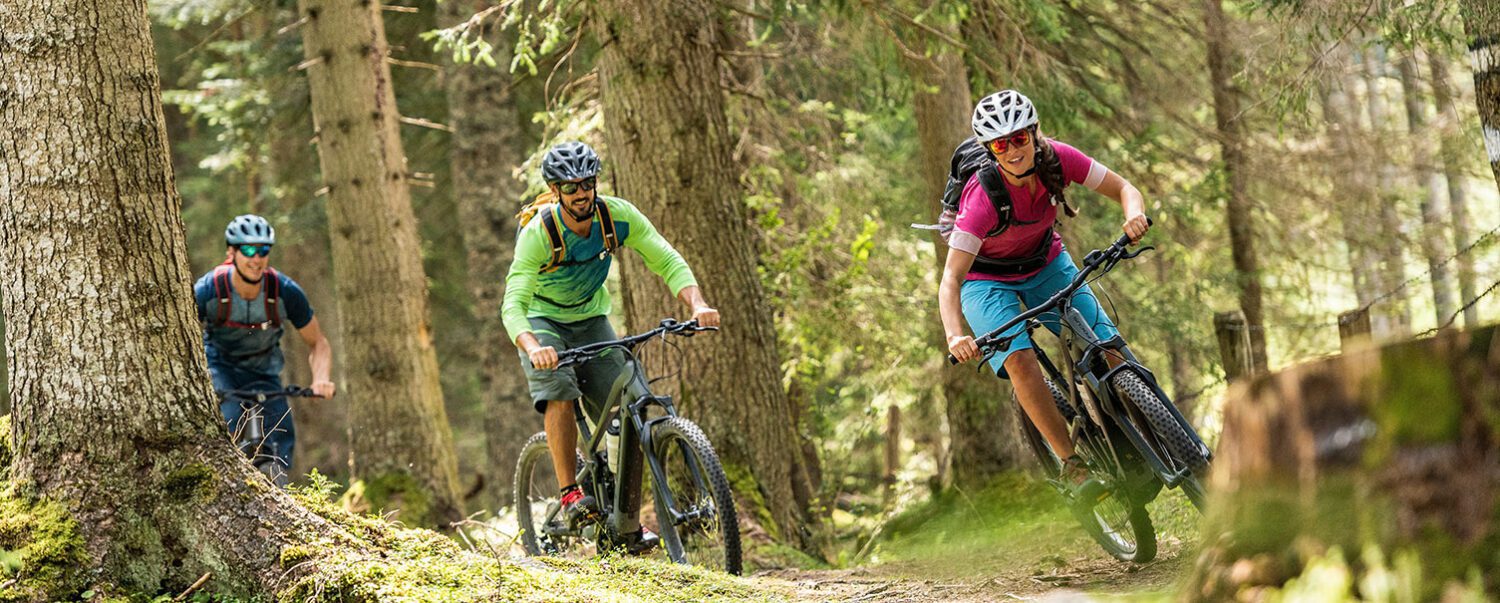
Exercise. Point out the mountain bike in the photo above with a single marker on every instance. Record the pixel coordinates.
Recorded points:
(1133, 440)
(249, 433)
(692, 507)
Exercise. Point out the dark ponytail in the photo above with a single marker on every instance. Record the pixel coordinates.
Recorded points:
(1049, 170)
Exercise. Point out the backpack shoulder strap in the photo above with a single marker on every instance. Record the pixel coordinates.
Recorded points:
(551, 224)
(994, 188)
(271, 282)
(607, 226)
(223, 288)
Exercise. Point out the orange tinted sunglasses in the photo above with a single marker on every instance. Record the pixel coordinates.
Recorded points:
(998, 146)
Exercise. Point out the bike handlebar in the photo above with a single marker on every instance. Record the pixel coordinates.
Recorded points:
(669, 326)
(1106, 258)
(290, 391)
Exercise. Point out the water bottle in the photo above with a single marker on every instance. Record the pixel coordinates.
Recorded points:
(612, 445)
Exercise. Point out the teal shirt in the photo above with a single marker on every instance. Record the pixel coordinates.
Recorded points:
(583, 282)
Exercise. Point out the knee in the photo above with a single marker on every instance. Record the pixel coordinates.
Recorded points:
(1022, 364)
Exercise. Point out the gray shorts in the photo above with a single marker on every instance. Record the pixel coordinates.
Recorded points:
(591, 380)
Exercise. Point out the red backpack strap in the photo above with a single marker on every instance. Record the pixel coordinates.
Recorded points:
(223, 288)
(272, 284)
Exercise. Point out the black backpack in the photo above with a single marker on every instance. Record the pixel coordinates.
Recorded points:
(971, 157)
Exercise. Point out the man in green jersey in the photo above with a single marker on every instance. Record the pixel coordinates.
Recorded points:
(555, 299)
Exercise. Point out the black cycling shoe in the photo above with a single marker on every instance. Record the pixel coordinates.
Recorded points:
(1081, 486)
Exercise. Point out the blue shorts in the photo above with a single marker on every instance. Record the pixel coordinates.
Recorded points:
(989, 304)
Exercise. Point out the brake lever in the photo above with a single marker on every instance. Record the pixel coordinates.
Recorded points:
(1127, 255)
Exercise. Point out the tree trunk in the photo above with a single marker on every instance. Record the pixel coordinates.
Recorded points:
(118, 426)
(1458, 183)
(1435, 240)
(486, 146)
(1223, 63)
(669, 142)
(1343, 127)
(402, 445)
(1406, 430)
(1392, 316)
(978, 410)
(1482, 27)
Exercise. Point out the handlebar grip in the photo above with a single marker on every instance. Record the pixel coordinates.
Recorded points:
(952, 360)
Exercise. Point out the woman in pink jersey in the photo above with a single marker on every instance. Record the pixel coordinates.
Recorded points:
(1020, 257)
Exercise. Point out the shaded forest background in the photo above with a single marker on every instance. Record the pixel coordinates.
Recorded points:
(1360, 177)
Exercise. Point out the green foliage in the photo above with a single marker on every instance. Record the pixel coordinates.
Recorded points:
(42, 556)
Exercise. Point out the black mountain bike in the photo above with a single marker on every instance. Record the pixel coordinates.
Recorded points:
(692, 508)
(249, 434)
(1129, 433)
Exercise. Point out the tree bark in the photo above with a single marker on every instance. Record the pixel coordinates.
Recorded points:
(402, 445)
(1392, 316)
(1406, 430)
(486, 145)
(1223, 62)
(1482, 27)
(1435, 239)
(114, 417)
(669, 141)
(978, 410)
(1458, 183)
(1343, 128)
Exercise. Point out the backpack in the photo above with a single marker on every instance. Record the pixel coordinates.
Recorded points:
(224, 288)
(552, 225)
(968, 158)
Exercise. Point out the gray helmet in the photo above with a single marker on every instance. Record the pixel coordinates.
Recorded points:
(569, 161)
(249, 229)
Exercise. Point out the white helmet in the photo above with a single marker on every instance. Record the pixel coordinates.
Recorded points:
(1001, 113)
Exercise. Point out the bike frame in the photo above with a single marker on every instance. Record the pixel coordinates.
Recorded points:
(1078, 337)
(631, 394)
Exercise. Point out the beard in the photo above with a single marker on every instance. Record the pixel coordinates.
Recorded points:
(581, 215)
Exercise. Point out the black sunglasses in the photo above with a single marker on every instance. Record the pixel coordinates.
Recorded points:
(568, 188)
(251, 251)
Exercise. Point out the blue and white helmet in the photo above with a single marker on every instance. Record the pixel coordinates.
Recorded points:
(1001, 113)
(249, 229)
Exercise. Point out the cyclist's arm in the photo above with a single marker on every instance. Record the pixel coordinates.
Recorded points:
(320, 357)
(1131, 202)
(659, 255)
(950, 302)
(521, 283)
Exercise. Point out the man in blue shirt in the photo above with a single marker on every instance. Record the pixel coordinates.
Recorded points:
(242, 304)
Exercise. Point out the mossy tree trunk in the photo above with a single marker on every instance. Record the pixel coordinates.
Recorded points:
(669, 152)
(115, 421)
(401, 442)
(1229, 116)
(978, 410)
(1391, 447)
(1482, 27)
(486, 147)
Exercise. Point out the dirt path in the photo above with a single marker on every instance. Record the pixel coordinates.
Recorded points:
(1085, 577)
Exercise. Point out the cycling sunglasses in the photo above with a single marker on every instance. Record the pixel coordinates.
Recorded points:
(568, 188)
(251, 251)
(998, 146)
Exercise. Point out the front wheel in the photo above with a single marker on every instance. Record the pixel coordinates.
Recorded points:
(1164, 425)
(700, 527)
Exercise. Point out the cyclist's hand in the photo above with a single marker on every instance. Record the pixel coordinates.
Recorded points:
(962, 347)
(706, 316)
(543, 357)
(1136, 226)
(323, 389)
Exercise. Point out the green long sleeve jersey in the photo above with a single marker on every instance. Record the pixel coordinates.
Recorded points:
(575, 290)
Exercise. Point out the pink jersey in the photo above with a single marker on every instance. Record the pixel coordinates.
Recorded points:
(976, 215)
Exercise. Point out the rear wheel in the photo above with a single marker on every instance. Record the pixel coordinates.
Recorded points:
(537, 501)
(702, 527)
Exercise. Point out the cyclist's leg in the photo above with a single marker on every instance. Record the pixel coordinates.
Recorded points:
(281, 434)
(224, 380)
(989, 304)
(552, 394)
(1036, 399)
(1052, 279)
